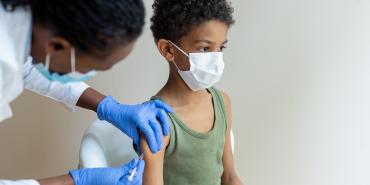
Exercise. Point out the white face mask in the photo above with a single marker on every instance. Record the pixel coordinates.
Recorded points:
(205, 69)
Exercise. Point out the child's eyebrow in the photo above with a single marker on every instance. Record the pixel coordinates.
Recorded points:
(208, 41)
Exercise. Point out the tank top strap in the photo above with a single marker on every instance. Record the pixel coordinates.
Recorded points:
(220, 107)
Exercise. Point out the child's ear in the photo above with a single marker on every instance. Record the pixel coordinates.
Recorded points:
(164, 47)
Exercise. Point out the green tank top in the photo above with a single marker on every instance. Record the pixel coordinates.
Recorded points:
(196, 158)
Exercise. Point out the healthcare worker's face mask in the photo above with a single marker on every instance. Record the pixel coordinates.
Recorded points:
(205, 69)
(73, 76)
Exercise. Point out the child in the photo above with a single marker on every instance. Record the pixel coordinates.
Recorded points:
(190, 35)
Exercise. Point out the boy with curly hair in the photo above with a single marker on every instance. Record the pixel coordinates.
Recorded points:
(191, 35)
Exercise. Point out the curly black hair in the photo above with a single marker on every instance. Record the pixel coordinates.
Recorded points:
(89, 25)
(174, 19)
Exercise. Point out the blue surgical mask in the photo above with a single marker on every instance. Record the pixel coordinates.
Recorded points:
(73, 76)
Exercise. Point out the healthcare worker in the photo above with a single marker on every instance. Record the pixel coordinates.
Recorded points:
(52, 46)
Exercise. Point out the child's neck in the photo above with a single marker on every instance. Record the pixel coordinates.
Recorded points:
(177, 93)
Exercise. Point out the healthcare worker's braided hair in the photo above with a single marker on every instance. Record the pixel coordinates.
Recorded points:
(173, 19)
(92, 26)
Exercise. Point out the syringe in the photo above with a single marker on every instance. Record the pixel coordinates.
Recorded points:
(131, 177)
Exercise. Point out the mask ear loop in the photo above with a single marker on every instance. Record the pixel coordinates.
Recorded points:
(182, 51)
(47, 61)
(176, 66)
(73, 60)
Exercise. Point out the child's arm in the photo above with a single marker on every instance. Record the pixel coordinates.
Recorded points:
(229, 176)
(153, 172)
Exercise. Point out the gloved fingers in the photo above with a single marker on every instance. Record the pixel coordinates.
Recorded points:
(138, 176)
(163, 119)
(147, 130)
(162, 105)
(134, 179)
(157, 132)
(129, 166)
(140, 166)
(127, 177)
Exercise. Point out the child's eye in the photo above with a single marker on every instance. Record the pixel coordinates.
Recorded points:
(205, 49)
(223, 48)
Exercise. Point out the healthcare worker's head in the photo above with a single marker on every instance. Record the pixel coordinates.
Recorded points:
(97, 33)
(191, 35)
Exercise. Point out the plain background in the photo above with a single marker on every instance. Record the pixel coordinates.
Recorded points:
(298, 73)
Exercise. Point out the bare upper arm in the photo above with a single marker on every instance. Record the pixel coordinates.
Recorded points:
(153, 171)
(229, 175)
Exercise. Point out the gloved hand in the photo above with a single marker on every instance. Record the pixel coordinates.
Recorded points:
(149, 118)
(116, 176)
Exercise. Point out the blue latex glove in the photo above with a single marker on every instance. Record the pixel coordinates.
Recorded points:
(116, 176)
(149, 118)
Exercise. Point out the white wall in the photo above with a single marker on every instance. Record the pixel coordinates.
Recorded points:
(298, 75)
(303, 106)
